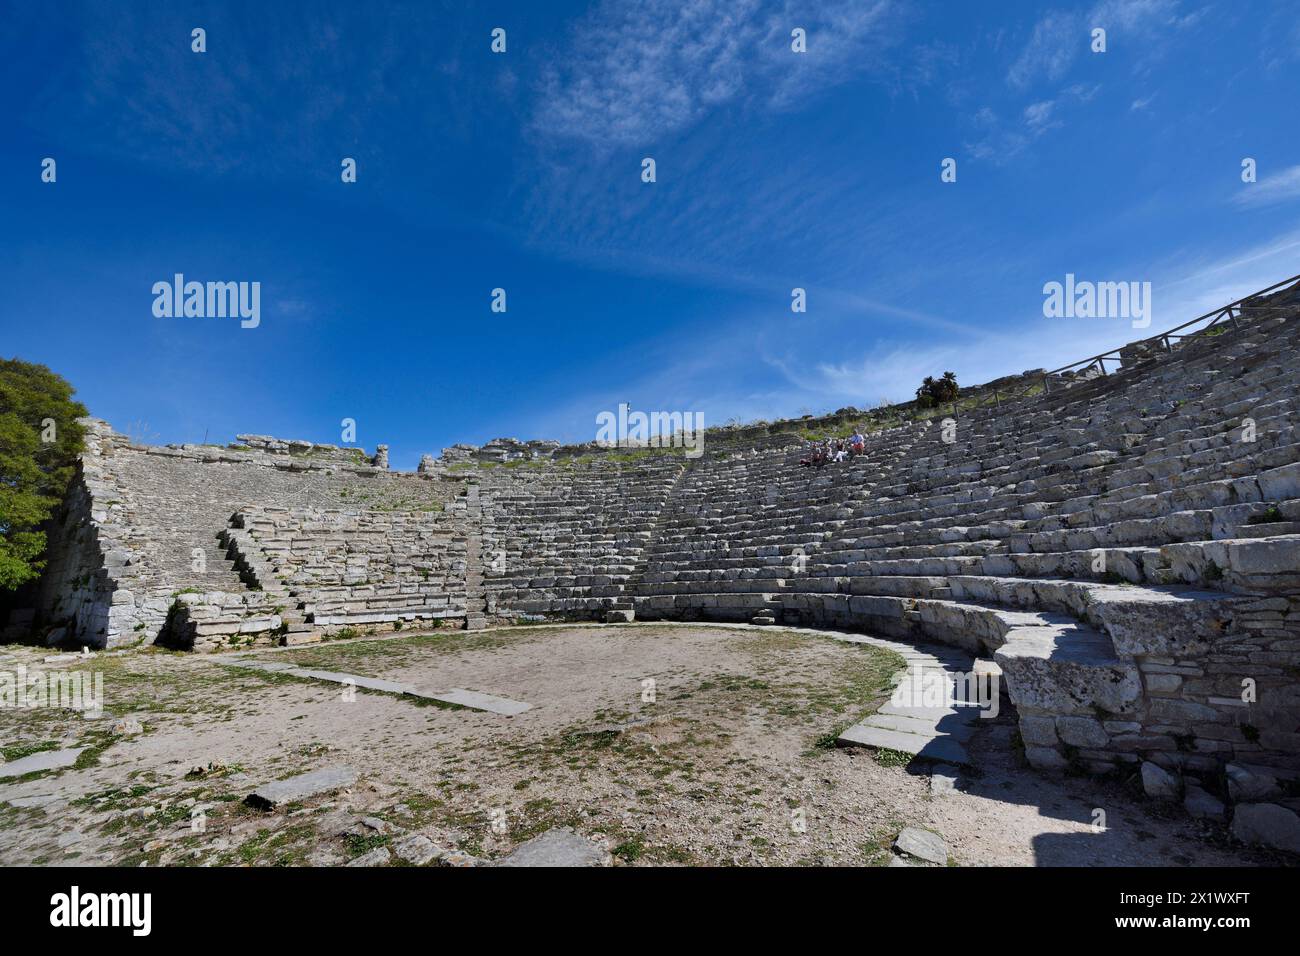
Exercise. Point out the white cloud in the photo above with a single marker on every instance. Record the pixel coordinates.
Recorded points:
(1060, 37)
(633, 72)
(1039, 115)
(817, 372)
(1052, 47)
(1280, 187)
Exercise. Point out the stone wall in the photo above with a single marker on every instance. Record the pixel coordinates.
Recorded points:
(361, 568)
(75, 592)
(145, 523)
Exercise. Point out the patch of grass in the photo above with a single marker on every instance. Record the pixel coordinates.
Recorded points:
(1271, 516)
(270, 847)
(630, 851)
(359, 843)
(892, 758)
(878, 849)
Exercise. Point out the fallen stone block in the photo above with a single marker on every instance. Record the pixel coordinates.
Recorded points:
(1249, 786)
(922, 844)
(302, 787)
(1267, 824)
(943, 781)
(128, 727)
(418, 850)
(1159, 783)
(379, 856)
(476, 701)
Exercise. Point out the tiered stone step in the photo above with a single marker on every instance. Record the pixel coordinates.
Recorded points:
(908, 723)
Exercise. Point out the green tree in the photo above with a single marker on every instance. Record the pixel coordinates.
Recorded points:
(39, 442)
(937, 391)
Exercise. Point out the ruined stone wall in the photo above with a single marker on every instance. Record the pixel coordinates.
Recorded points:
(75, 591)
(150, 519)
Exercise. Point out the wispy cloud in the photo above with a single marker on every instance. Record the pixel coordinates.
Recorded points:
(632, 73)
(1052, 47)
(999, 141)
(1278, 188)
(1039, 115)
(1059, 38)
(809, 368)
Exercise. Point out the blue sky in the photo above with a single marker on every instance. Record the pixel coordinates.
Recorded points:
(522, 171)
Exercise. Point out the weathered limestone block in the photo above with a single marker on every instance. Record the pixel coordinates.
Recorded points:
(1159, 783)
(1082, 732)
(1267, 824)
(1067, 671)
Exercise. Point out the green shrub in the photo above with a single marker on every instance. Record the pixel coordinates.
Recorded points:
(40, 439)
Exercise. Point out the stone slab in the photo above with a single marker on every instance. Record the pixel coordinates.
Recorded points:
(923, 845)
(943, 749)
(338, 677)
(558, 847)
(418, 850)
(954, 727)
(920, 713)
(379, 856)
(301, 787)
(45, 760)
(476, 701)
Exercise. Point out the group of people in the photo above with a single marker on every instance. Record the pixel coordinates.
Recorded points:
(833, 450)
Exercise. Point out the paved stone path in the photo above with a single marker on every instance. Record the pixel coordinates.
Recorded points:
(473, 700)
(908, 725)
(476, 701)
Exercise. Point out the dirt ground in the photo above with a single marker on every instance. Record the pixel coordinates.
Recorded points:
(726, 758)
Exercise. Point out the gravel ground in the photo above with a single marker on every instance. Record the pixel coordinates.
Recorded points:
(669, 745)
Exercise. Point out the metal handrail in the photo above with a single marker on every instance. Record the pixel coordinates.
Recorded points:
(1227, 313)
